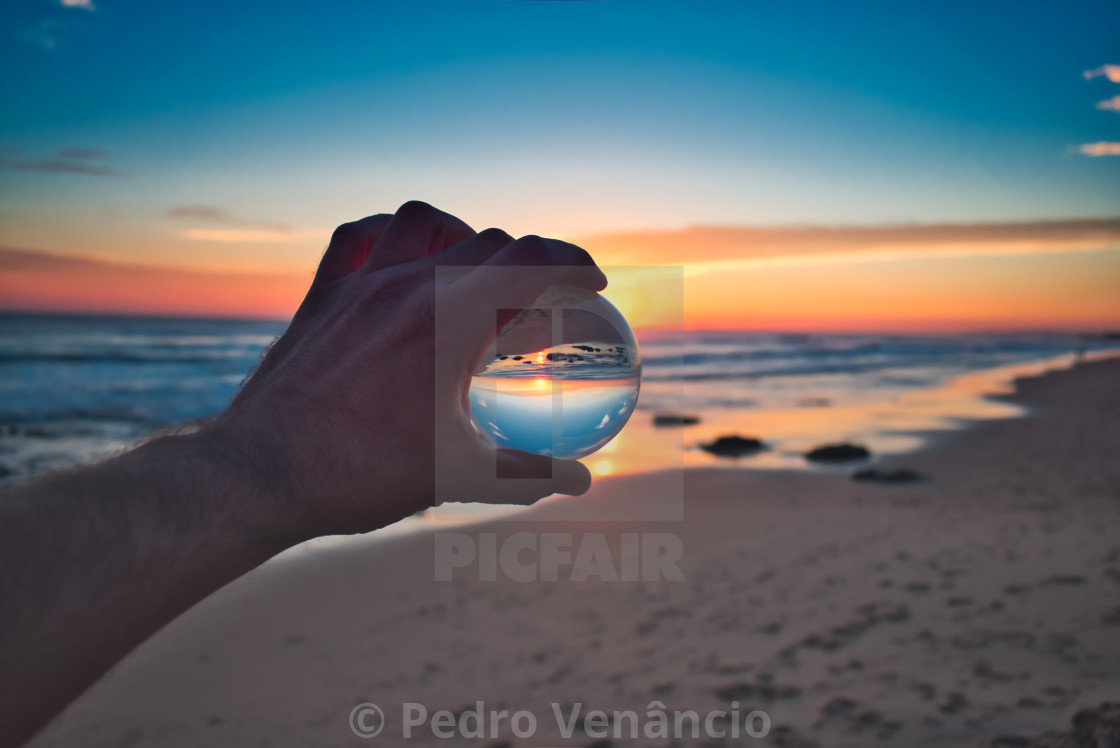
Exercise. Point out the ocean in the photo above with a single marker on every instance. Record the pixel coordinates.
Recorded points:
(77, 388)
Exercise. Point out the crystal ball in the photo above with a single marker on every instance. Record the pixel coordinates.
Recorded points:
(561, 378)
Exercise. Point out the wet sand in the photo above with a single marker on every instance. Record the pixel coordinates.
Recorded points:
(982, 602)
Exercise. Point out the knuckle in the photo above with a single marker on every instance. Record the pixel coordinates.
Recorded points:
(416, 209)
(534, 249)
(571, 254)
(374, 222)
(574, 255)
(497, 236)
(345, 232)
(363, 228)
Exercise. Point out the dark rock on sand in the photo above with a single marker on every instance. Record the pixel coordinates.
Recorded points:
(673, 419)
(734, 446)
(838, 453)
(899, 475)
(1090, 728)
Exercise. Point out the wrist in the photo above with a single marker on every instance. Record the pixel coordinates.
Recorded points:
(222, 493)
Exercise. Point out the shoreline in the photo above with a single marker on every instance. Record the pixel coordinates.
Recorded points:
(898, 424)
(891, 406)
(980, 603)
(995, 385)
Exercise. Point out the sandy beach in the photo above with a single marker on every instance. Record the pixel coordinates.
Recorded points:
(982, 603)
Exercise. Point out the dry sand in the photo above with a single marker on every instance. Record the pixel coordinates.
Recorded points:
(984, 602)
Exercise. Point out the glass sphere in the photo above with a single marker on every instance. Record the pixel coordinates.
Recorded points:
(561, 379)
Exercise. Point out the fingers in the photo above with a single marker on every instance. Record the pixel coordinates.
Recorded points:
(522, 270)
(417, 230)
(473, 250)
(513, 278)
(515, 477)
(350, 246)
(566, 476)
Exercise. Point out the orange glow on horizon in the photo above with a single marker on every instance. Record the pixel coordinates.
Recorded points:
(1064, 290)
(58, 283)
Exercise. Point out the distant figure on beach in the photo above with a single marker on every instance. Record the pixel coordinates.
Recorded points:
(335, 433)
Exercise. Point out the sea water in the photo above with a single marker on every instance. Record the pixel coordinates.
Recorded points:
(78, 388)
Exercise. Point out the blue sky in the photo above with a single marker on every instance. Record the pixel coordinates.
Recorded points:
(557, 117)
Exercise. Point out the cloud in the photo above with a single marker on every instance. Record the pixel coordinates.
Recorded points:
(205, 213)
(60, 166)
(706, 249)
(66, 161)
(82, 154)
(1103, 148)
(1112, 72)
(212, 215)
(83, 4)
(216, 216)
(247, 235)
(222, 226)
(1111, 105)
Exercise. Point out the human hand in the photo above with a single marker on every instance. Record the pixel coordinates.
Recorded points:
(355, 408)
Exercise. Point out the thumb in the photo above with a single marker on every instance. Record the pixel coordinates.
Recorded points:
(524, 477)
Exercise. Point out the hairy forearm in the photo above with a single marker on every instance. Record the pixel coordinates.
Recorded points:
(95, 560)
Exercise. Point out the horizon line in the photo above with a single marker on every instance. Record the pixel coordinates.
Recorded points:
(924, 329)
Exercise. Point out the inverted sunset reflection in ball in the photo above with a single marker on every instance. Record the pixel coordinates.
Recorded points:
(561, 379)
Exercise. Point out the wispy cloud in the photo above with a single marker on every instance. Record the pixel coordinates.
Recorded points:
(61, 166)
(1111, 105)
(706, 249)
(82, 154)
(206, 214)
(1103, 148)
(213, 215)
(1112, 72)
(83, 4)
(247, 235)
(222, 226)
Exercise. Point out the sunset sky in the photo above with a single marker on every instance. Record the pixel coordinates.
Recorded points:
(811, 165)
